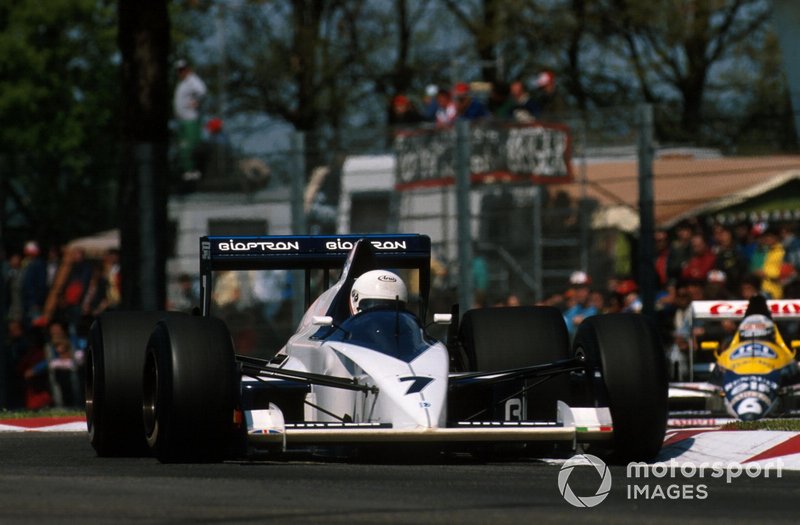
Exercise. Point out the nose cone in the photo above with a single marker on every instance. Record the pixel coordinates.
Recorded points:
(750, 397)
(752, 408)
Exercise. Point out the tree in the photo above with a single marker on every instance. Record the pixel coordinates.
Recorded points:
(327, 68)
(144, 43)
(673, 46)
(483, 23)
(57, 142)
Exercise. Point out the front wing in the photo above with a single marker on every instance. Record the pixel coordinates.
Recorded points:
(266, 428)
(702, 404)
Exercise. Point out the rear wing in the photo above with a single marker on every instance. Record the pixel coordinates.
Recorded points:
(309, 252)
(781, 309)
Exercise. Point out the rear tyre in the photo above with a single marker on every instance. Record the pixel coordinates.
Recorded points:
(513, 337)
(190, 390)
(633, 371)
(114, 359)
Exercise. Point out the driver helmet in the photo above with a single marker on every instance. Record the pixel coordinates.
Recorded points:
(376, 288)
(757, 327)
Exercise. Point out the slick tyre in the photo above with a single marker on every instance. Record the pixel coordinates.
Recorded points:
(190, 390)
(114, 360)
(632, 381)
(514, 337)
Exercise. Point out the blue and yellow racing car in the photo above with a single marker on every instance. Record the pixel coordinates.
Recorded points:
(753, 373)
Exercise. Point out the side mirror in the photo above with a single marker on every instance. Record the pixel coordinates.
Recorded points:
(712, 346)
(322, 320)
(442, 318)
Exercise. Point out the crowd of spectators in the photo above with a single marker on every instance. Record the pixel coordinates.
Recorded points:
(50, 302)
(694, 263)
(521, 101)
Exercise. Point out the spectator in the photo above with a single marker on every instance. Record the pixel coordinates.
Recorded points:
(598, 301)
(716, 286)
(681, 332)
(627, 290)
(446, 111)
(744, 236)
(791, 245)
(34, 283)
(700, 262)
(189, 94)
(77, 284)
(95, 300)
(112, 274)
(501, 105)
(750, 285)
(680, 251)
(480, 277)
(63, 374)
(661, 242)
(728, 258)
(215, 155)
(468, 107)
(681, 317)
(546, 90)
(62, 364)
(53, 263)
(32, 366)
(188, 295)
(581, 307)
(13, 288)
(429, 104)
(526, 109)
(403, 112)
(767, 263)
(513, 300)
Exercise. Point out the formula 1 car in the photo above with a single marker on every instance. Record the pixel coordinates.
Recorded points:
(361, 372)
(753, 373)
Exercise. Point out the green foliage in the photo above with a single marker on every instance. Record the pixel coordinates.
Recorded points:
(58, 102)
(45, 412)
(792, 425)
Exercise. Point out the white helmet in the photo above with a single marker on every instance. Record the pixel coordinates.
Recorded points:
(377, 287)
(757, 326)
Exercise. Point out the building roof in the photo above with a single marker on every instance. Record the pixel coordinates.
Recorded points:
(683, 185)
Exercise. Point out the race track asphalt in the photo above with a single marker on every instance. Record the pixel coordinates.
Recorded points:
(56, 478)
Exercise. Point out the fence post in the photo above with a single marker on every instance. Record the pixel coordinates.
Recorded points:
(463, 215)
(3, 306)
(298, 182)
(148, 260)
(647, 276)
(537, 244)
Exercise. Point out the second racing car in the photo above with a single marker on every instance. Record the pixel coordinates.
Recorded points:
(750, 373)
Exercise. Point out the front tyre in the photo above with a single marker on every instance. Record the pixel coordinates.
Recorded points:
(633, 381)
(190, 390)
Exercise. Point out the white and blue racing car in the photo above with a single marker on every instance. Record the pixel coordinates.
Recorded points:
(361, 371)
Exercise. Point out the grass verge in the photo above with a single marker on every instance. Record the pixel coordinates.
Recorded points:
(792, 425)
(47, 412)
